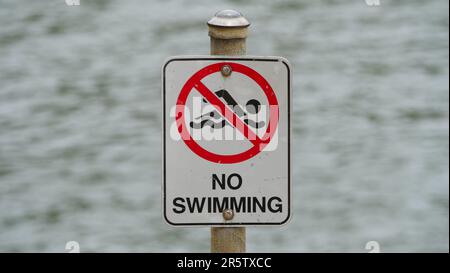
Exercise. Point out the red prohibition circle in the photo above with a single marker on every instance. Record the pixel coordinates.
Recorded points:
(195, 82)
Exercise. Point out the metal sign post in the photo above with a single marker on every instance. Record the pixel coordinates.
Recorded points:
(228, 30)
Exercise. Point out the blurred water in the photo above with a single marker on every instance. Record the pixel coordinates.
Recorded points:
(80, 122)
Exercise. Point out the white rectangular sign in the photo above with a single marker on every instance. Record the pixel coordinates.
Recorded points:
(226, 140)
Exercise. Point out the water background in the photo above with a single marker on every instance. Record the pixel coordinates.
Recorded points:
(80, 122)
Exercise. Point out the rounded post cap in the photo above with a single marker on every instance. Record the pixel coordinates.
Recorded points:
(228, 18)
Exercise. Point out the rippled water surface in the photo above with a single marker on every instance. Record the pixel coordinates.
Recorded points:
(80, 122)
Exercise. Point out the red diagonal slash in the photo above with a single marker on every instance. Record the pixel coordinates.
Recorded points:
(233, 119)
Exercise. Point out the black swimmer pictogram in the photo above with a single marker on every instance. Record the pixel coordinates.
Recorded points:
(252, 106)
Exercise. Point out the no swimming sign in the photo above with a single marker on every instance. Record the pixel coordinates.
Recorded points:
(226, 140)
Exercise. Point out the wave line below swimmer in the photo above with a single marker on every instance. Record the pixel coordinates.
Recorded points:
(252, 106)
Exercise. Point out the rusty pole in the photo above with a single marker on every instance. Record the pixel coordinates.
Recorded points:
(228, 30)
